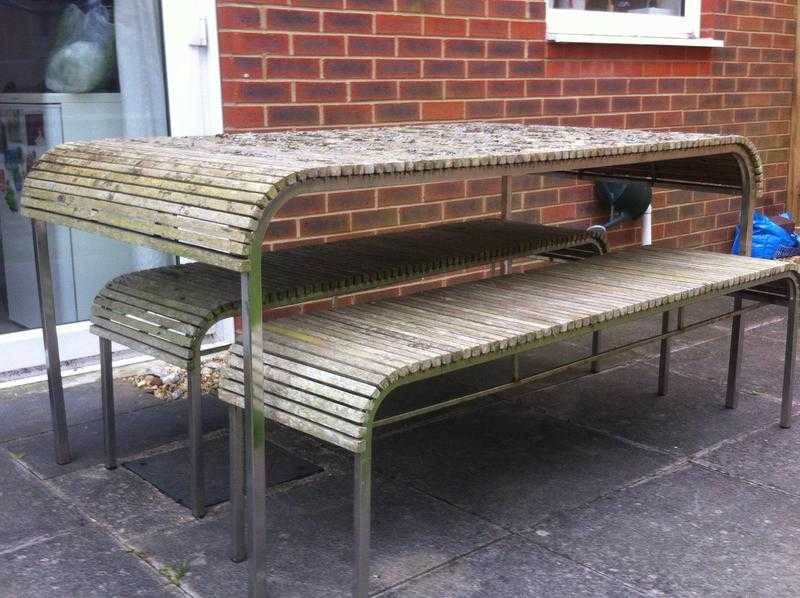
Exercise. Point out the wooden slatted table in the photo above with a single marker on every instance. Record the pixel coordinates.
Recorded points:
(212, 199)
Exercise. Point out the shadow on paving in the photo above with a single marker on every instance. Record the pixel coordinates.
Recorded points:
(25, 410)
(137, 431)
(623, 402)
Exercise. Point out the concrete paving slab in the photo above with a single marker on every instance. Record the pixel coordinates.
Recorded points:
(512, 567)
(623, 402)
(137, 431)
(771, 456)
(761, 369)
(28, 511)
(774, 328)
(692, 533)
(512, 465)
(85, 563)
(25, 411)
(121, 500)
(310, 532)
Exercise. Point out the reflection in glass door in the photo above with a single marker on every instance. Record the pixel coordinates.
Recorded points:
(70, 70)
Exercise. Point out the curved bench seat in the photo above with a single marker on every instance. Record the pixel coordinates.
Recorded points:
(167, 311)
(327, 373)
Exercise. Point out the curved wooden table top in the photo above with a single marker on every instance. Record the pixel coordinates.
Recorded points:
(212, 198)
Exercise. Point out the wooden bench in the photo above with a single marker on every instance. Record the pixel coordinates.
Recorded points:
(327, 374)
(166, 312)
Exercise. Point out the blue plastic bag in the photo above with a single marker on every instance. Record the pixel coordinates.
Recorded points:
(770, 240)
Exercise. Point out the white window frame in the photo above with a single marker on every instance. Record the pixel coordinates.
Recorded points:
(593, 26)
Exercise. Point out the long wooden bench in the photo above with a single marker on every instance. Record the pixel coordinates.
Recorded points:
(166, 312)
(327, 374)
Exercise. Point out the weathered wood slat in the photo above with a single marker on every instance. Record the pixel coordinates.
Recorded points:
(195, 184)
(142, 221)
(127, 235)
(126, 200)
(146, 348)
(133, 193)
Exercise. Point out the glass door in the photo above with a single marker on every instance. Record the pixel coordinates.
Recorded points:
(70, 70)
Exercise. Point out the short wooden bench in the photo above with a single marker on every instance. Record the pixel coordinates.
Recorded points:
(327, 374)
(166, 312)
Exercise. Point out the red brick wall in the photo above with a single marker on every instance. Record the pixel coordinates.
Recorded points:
(312, 63)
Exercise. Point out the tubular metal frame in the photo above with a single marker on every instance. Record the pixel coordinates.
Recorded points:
(252, 308)
(47, 309)
(363, 461)
(107, 402)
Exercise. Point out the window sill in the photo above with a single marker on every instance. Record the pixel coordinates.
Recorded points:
(580, 38)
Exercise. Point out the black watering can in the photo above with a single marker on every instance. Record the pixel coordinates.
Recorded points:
(625, 200)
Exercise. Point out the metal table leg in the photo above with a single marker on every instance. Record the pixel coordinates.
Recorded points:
(107, 400)
(195, 392)
(789, 357)
(44, 282)
(663, 359)
(594, 366)
(735, 359)
(362, 499)
(255, 428)
(237, 473)
(506, 196)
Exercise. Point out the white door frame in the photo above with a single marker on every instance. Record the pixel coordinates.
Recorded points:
(194, 92)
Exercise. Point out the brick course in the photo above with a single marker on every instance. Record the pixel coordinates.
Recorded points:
(311, 63)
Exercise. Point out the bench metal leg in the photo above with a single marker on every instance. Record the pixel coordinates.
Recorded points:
(735, 358)
(236, 450)
(107, 404)
(595, 365)
(47, 309)
(362, 498)
(197, 479)
(663, 360)
(789, 358)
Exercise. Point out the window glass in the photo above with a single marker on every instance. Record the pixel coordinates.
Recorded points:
(71, 70)
(673, 8)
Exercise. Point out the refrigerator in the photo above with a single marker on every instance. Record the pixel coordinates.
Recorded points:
(82, 262)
